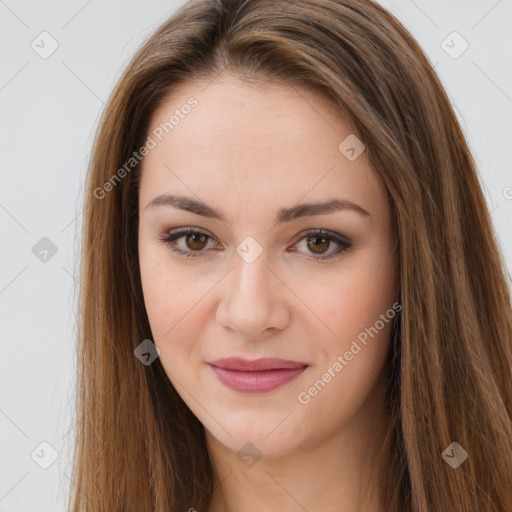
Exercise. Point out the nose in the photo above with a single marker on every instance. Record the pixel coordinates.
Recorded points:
(253, 299)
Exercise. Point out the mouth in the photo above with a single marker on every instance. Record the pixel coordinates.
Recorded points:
(256, 376)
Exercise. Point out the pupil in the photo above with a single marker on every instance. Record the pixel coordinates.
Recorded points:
(193, 237)
(324, 243)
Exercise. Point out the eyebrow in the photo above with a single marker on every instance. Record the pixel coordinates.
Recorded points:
(283, 215)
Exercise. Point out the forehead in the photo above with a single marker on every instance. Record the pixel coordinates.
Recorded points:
(253, 144)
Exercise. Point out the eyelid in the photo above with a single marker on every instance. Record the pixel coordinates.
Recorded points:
(320, 232)
(179, 232)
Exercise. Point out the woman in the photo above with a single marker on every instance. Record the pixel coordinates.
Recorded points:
(293, 296)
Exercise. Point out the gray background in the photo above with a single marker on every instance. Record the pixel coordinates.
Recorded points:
(49, 111)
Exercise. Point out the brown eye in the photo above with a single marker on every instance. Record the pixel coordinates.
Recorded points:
(196, 241)
(318, 244)
(192, 242)
(188, 241)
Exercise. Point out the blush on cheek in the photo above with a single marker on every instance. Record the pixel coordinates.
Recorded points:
(172, 321)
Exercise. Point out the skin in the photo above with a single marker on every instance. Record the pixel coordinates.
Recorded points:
(249, 152)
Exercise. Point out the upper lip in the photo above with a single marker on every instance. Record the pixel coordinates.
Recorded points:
(254, 365)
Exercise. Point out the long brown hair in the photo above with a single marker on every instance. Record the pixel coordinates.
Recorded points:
(138, 446)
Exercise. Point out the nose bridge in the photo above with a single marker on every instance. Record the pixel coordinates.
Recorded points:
(250, 304)
(251, 261)
(251, 275)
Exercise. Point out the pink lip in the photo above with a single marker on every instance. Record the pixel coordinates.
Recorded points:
(257, 376)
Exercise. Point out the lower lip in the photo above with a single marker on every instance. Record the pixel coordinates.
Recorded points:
(256, 382)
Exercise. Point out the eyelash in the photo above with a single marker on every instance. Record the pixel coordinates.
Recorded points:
(172, 236)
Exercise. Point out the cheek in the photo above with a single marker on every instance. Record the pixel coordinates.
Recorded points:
(355, 298)
(175, 318)
(173, 303)
(359, 309)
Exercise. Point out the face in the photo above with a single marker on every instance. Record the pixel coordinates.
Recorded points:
(254, 277)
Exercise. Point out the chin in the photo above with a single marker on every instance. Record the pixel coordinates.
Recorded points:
(269, 437)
